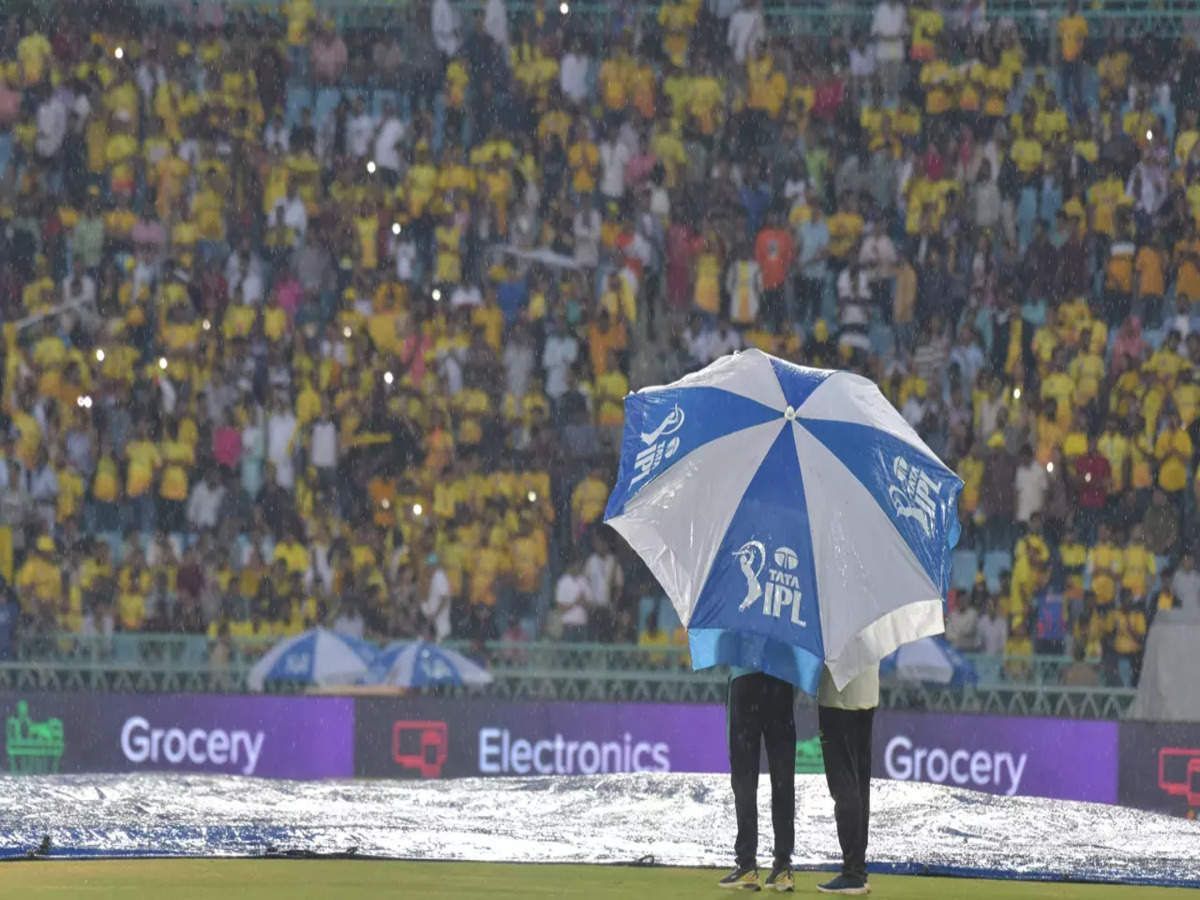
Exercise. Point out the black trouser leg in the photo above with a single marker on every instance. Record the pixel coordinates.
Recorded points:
(761, 707)
(744, 733)
(779, 732)
(846, 744)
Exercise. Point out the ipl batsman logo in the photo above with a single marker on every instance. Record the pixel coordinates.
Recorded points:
(783, 586)
(657, 449)
(913, 495)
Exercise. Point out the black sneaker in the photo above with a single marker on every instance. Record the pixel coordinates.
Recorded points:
(780, 880)
(845, 884)
(743, 878)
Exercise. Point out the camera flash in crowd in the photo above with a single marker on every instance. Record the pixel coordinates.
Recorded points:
(1016, 393)
(417, 509)
(385, 503)
(99, 356)
(370, 167)
(1087, 476)
(564, 8)
(532, 495)
(396, 228)
(1149, 135)
(346, 332)
(162, 362)
(83, 401)
(1050, 467)
(206, 325)
(119, 53)
(388, 377)
(437, 295)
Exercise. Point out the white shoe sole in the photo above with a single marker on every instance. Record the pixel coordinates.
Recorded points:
(846, 892)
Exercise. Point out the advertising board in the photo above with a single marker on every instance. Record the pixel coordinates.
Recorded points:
(269, 737)
(430, 738)
(1066, 759)
(1160, 767)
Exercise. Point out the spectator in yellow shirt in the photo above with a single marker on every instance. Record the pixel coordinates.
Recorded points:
(39, 582)
(1072, 36)
(587, 502)
(178, 456)
(1173, 450)
(1050, 124)
(1026, 154)
(143, 461)
(1149, 281)
(1187, 263)
(1118, 271)
(1140, 564)
(845, 228)
(654, 640)
(584, 159)
(33, 54)
(1127, 626)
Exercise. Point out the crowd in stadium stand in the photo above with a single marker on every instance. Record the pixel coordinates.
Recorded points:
(305, 326)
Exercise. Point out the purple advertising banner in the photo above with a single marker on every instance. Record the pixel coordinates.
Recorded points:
(1060, 758)
(428, 738)
(267, 737)
(1160, 767)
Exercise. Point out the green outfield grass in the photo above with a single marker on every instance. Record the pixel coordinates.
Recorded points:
(295, 879)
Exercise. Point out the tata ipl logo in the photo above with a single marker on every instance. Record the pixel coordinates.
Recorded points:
(1179, 775)
(783, 586)
(660, 444)
(32, 747)
(421, 746)
(913, 495)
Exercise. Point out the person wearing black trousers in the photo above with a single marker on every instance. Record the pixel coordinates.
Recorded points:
(845, 718)
(760, 711)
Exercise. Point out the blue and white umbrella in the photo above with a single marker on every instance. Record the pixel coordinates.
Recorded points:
(317, 657)
(791, 514)
(418, 664)
(931, 660)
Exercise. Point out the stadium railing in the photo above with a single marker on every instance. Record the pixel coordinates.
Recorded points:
(181, 663)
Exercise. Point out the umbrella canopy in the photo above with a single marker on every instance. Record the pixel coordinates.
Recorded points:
(318, 657)
(420, 664)
(931, 660)
(791, 515)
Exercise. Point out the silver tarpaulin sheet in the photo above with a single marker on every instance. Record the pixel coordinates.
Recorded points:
(675, 818)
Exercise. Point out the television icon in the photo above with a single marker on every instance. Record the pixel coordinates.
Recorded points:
(1179, 773)
(420, 745)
